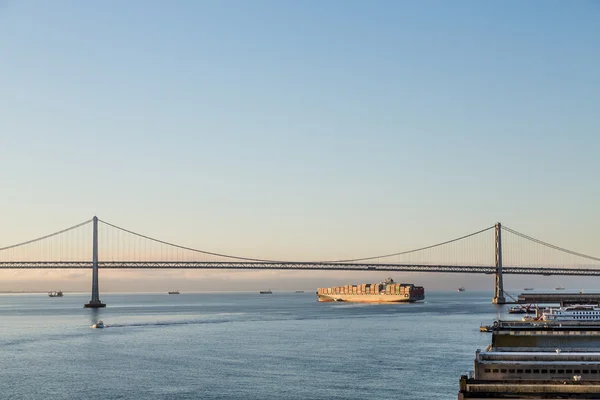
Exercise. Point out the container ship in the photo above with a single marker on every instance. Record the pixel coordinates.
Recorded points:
(383, 292)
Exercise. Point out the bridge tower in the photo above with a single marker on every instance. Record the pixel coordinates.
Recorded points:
(499, 286)
(95, 301)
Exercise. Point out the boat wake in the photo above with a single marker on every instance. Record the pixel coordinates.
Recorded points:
(347, 304)
(168, 323)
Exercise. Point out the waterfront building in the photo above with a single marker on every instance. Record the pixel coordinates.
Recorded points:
(537, 360)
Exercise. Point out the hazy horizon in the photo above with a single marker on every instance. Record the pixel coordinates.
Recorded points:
(162, 281)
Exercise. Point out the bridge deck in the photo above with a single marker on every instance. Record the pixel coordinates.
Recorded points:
(289, 265)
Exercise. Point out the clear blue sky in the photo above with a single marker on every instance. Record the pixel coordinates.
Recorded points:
(307, 129)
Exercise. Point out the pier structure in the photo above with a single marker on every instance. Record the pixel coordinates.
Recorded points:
(564, 299)
(536, 360)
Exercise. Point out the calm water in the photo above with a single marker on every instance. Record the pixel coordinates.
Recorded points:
(238, 346)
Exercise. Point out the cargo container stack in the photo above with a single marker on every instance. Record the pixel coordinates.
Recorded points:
(384, 292)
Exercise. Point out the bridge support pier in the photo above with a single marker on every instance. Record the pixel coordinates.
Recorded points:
(95, 301)
(499, 285)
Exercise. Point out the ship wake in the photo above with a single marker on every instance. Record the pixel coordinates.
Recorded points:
(168, 323)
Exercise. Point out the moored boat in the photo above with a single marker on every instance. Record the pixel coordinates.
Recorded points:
(528, 309)
(383, 292)
(579, 312)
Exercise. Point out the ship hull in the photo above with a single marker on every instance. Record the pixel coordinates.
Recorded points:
(369, 298)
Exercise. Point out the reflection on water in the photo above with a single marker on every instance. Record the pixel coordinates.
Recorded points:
(94, 315)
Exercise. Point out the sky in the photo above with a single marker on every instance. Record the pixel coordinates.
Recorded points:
(298, 130)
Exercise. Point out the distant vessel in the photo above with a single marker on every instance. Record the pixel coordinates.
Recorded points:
(174, 292)
(461, 289)
(528, 309)
(383, 292)
(98, 325)
(528, 288)
(516, 310)
(55, 294)
(559, 288)
(299, 291)
(266, 292)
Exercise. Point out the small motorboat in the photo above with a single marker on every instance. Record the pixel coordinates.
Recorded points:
(174, 292)
(517, 310)
(98, 325)
(461, 289)
(266, 292)
(528, 309)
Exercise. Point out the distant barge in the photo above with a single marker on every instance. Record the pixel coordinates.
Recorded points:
(384, 292)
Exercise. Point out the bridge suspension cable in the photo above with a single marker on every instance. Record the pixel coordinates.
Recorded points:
(279, 261)
(541, 261)
(414, 250)
(46, 237)
(574, 253)
(187, 248)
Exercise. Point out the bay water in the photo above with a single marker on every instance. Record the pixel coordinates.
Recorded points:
(239, 346)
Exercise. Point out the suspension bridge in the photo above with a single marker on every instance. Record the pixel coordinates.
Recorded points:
(496, 250)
